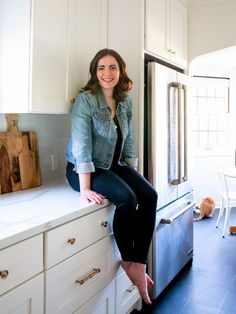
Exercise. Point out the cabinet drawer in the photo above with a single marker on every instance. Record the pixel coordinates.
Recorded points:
(72, 237)
(126, 294)
(73, 282)
(20, 262)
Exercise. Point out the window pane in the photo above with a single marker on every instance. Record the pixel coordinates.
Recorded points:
(203, 139)
(222, 123)
(213, 123)
(201, 91)
(212, 139)
(211, 116)
(211, 92)
(203, 123)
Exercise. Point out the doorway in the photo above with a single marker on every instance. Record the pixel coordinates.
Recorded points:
(212, 107)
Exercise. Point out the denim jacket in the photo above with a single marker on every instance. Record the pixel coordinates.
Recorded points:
(93, 134)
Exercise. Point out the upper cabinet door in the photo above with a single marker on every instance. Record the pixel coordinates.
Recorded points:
(50, 52)
(177, 33)
(45, 50)
(15, 19)
(156, 24)
(34, 56)
(165, 30)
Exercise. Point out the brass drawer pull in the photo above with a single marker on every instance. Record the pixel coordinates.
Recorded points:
(71, 241)
(82, 281)
(4, 274)
(131, 289)
(104, 224)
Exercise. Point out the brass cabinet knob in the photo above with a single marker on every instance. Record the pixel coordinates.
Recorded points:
(104, 224)
(171, 51)
(4, 274)
(71, 241)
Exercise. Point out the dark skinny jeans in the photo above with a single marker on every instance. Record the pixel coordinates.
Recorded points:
(135, 213)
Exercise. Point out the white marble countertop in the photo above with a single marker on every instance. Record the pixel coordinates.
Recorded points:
(26, 213)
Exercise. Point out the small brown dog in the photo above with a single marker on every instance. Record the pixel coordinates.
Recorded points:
(207, 207)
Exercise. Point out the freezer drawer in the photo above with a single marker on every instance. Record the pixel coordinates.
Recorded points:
(172, 245)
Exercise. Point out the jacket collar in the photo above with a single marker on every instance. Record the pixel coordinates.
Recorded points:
(102, 100)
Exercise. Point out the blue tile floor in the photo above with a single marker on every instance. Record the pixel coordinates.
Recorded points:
(208, 286)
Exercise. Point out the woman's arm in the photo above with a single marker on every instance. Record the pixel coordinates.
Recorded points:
(85, 189)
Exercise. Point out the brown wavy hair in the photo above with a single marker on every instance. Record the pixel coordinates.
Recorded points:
(123, 86)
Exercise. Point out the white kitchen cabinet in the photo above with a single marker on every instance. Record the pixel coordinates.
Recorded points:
(15, 267)
(102, 303)
(127, 295)
(81, 266)
(73, 282)
(45, 49)
(21, 277)
(69, 268)
(165, 30)
(50, 56)
(34, 56)
(25, 299)
(69, 239)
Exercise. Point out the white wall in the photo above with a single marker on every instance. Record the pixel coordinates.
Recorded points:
(211, 27)
(53, 132)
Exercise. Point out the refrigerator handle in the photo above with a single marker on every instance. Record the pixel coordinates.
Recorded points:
(174, 134)
(185, 178)
(177, 134)
(182, 132)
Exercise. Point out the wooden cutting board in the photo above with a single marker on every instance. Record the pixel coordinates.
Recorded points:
(19, 158)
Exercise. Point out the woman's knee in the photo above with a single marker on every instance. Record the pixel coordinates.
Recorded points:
(154, 195)
(127, 201)
(149, 199)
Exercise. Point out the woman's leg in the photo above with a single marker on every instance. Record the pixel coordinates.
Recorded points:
(143, 231)
(110, 185)
(146, 211)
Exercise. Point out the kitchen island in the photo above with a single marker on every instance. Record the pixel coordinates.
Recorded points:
(58, 254)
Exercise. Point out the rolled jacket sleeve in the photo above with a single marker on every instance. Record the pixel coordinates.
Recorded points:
(81, 135)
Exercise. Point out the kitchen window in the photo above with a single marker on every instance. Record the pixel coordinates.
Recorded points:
(211, 118)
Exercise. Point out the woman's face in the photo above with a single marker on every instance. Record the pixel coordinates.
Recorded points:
(108, 72)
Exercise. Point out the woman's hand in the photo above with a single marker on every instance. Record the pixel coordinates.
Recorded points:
(92, 196)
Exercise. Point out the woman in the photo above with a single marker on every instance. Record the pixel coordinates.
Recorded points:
(102, 162)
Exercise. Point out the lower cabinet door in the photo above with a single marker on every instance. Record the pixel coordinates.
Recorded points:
(102, 303)
(25, 299)
(127, 295)
(73, 282)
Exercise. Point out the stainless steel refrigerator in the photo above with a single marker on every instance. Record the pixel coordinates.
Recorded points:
(166, 167)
